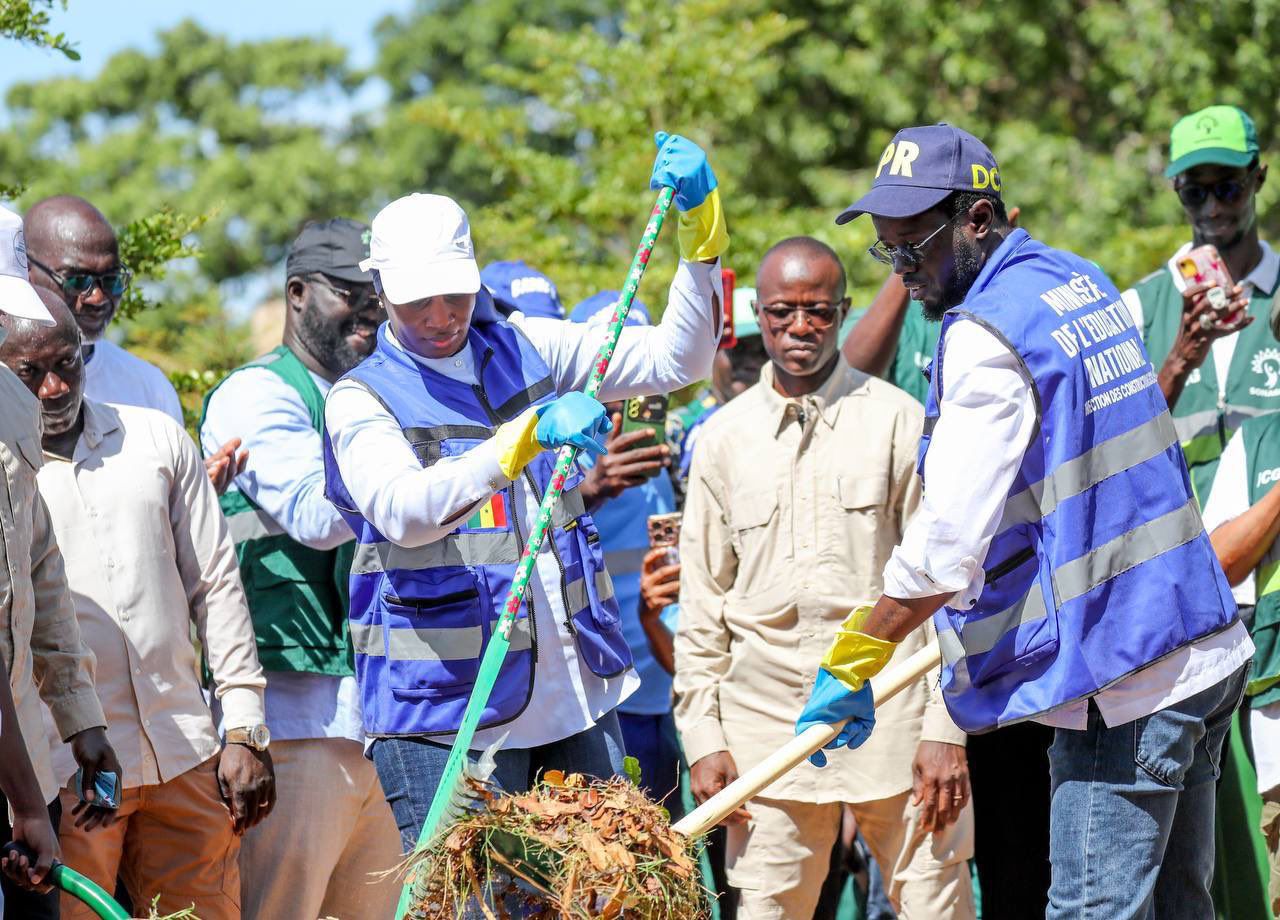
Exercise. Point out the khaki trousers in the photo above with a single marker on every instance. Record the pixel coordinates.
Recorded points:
(173, 840)
(779, 859)
(330, 830)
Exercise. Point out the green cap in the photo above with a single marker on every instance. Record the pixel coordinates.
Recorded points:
(1221, 134)
(745, 322)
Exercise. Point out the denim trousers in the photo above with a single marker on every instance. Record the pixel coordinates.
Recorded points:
(1131, 819)
(653, 742)
(410, 768)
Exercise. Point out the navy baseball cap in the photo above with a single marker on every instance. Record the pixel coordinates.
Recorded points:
(921, 167)
(332, 247)
(597, 310)
(516, 286)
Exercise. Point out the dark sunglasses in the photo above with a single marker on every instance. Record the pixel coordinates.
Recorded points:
(357, 299)
(76, 283)
(908, 253)
(820, 315)
(1228, 191)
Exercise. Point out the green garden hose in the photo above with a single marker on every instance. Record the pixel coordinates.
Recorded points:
(75, 884)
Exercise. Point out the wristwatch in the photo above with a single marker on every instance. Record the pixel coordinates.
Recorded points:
(254, 736)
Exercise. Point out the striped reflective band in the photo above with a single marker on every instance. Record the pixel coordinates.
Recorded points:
(252, 524)
(569, 507)
(981, 636)
(1190, 427)
(577, 591)
(1131, 549)
(625, 561)
(1111, 457)
(424, 644)
(496, 548)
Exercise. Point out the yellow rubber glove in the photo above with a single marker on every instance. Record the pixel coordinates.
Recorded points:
(517, 442)
(854, 657)
(702, 232)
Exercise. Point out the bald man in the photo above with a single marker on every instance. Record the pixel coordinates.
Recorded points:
(72, 249)
(799, 490)
(148, 553)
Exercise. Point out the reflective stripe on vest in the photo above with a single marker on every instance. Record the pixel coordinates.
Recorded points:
(1113, 456)
(981, 636)
(625, 561)
(576, 591)
(424, 644)
(475, 548)
(252, 524)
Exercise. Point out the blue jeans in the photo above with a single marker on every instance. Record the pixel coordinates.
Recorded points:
(1131, 824)
(652, 741)
(410, 769)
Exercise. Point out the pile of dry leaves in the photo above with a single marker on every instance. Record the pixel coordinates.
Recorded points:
(569, 848)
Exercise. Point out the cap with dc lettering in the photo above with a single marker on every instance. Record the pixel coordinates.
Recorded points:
(921, 167)
(1221, 134)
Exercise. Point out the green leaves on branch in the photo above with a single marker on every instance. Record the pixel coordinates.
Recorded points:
(27, 21)
(148, 245)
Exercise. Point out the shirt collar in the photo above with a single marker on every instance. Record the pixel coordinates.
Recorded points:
(826, 400)
(99, 421)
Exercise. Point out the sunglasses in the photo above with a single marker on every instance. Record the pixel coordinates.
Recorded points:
(77, 283)
(357, 299)
(1227, 191)
(908, 253)
(820, 315)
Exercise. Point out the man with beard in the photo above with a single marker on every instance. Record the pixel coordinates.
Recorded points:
(1217, 366)
(775, 549)
(1058, 542)
(334, 828)
(72, 249)
(148, 557)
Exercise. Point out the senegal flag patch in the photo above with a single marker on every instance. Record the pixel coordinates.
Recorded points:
(491, 514)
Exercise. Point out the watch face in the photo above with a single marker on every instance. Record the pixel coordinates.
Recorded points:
(261, 736)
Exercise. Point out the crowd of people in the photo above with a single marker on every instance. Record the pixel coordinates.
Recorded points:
(236, 664)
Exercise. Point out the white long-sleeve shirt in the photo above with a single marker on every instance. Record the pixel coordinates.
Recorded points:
(987, 420)
(413, 506)
(284, 476)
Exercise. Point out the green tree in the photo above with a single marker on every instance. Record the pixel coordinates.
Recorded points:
(27, 21)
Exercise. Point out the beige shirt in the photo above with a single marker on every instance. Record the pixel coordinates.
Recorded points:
(794, 507)
(148, 553)
(39, 637)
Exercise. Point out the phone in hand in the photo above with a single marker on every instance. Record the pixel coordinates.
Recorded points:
(646, 412)
(1203, 269)
(664, 530)
(106, 788)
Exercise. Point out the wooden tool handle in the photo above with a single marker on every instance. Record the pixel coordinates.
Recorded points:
(790, 755)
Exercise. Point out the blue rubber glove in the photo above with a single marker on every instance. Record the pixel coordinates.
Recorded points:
(682, 165)
(577, 419)
(832, 702)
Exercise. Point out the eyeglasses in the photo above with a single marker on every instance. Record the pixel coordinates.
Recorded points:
(908, 253)
(363, 298)
(77, 283)
(1228, 191)
(820, 315)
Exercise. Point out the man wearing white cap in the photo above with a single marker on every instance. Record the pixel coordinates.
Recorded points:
(438, 451)
(39, 636)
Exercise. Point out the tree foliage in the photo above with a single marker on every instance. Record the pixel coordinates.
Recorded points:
(27, 21)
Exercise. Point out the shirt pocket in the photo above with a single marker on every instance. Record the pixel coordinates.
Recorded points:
(857, 515)
(753, 529)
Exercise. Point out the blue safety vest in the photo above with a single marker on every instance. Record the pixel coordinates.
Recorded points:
(421, 617)
(1100, 565)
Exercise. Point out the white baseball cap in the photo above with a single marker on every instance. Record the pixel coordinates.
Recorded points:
(421, 247)
(17, 296)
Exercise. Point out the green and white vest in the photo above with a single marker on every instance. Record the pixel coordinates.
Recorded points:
(297, 595)
(1262, 464)
(1204, 421)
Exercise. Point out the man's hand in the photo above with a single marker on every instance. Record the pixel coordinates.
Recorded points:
(626, 464)
(34, 831)
(711, 774)
(92, 753)
(941, 783)
(1202, 324)
(224, 466)
(248, 784)
(659, 583)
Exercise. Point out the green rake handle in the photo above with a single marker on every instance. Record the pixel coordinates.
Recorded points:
(74, 884)
(496, 651)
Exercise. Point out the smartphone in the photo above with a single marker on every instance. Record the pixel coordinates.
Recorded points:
(106, 788)
(728, 334)
(664, 530)
(646, 412)
(1203, 269)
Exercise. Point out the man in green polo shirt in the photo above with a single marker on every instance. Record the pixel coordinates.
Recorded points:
(1215, 370)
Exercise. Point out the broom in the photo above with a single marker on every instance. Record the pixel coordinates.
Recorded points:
(451, 796)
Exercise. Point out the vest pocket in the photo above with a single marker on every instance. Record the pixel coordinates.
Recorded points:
(436, 631)
(1015, 628)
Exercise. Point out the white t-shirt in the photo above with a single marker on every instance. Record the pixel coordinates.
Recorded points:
(113, 375)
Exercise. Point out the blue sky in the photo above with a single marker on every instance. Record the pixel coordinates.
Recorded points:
(99, 28)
